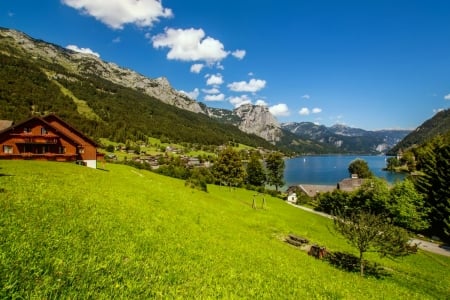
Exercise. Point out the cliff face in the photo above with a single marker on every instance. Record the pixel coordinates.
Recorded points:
(86, 64)
(258, 120)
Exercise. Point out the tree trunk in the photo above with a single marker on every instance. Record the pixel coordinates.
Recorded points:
(361, 262)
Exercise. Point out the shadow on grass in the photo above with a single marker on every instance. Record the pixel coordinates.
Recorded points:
(350, 263)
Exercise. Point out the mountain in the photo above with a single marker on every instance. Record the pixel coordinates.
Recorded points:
(87, 80)
(105, 100)
(253, 119)
(100, 98)
(439, 124)
(348, 139)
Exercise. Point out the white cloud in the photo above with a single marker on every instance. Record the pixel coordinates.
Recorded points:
(116, 40)
(190, 45)
(197, 68)
(279, 110)
(193, 94)
(261, 102)
(437, 110)
(250, 74)
(216, 97)
(240, 100)
(304, 111)
(214, 79)
(82, 50)
(116, 13)
(447, 97)
(253, 85)
(316, 110)
(239, 54)
(306, 96)
(211, 91)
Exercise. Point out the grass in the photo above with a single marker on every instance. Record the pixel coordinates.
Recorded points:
(68, 231)
(82, 106)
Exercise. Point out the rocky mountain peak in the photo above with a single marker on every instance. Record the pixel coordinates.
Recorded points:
(258, 120)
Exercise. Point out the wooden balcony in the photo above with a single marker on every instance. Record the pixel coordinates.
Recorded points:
(40, 156)
(35, 139)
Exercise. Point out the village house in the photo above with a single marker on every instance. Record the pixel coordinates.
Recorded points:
(47, 138)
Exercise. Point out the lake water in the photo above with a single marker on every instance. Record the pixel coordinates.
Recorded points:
(330, 169)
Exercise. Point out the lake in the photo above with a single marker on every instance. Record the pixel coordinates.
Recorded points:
(330, 169)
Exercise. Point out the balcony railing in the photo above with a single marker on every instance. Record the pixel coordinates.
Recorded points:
(43, 156)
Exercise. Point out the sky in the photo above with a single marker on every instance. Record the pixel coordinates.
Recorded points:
(373, 64)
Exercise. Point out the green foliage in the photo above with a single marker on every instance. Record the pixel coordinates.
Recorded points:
(370, 232)
(392, 163)
(439, 124)
(255, 172)
(374, 196)
(70, 232)
(407, 206)
(433, 182)
(360, 168)
(331, 202)
(402, 203)
(275, 169)
(228, 168)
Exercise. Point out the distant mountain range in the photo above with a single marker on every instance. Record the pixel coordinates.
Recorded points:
(106, 100)
(348, 139)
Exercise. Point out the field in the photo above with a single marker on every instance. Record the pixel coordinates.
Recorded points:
(68, 231)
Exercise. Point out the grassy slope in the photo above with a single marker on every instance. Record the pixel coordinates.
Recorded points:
(72, 231)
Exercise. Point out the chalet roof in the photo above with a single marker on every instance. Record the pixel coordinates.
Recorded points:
(41, 120)
(350, 184)
(73, 129)
(4, 124)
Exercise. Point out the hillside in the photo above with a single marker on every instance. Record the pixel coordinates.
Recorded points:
(108, 101)
(439, 124)
(73, 232)
(41, 78)
(347, 139)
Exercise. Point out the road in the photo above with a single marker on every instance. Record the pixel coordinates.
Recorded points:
(423, 245)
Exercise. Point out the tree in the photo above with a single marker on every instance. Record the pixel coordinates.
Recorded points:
(360, 167)
(407, 206)
(228, 168)
(372, 196)
(369, 232)
(434, 166)
(392, 163)
(255, 172)
(275, 169)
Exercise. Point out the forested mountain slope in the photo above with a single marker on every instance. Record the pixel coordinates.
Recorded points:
(439, 124)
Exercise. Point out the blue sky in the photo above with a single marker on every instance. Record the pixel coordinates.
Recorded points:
(371, 64)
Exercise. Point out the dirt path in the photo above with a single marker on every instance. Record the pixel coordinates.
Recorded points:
(424, 245)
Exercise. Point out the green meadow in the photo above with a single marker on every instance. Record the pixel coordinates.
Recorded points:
(68, 231)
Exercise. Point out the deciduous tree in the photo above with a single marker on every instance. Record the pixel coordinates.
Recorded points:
(369, 232)
(275, 169)
(360, 167)
(255, 171)
(228, 168)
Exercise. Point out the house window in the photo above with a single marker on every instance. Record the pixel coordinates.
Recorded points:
(62, 150)
(8, 149)
(43, 130)
(27, 130)
(81, 150)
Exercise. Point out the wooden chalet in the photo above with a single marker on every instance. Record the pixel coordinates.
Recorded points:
(47, 138)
